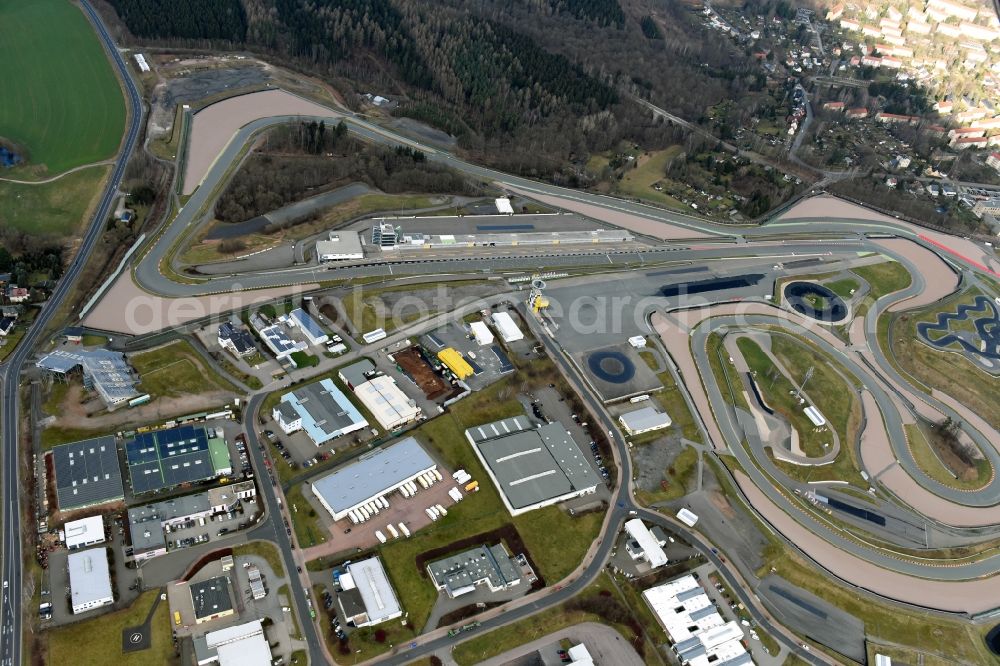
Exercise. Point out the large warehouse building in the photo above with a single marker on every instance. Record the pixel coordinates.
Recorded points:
(167, 458)
(323, 410)
(532, 468)
(386, 401)
(372, 476)
(697, 631)
(87, 473)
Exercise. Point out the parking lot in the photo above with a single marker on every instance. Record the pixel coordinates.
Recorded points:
(347, 537)
(204, 530)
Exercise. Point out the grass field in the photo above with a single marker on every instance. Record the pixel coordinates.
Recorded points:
(176, 370)
(98, 642)
(944, 370)
(934, 466)
(62, 102)
(55, 208)
(639, 182)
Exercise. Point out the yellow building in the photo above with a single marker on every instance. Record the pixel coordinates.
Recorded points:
(454, 361)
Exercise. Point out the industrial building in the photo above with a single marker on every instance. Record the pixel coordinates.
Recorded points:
(372, 476)
(147, 523)
(507, 327)
(239, 645)
(698, 633)
(236, 339)
(340, 246)
(532, 468)
(89, 580)
(84, 532)
(275, 338)
(103, 371)
(482, 333)
(386, 401)
(211, 599)
(321, 409)
(356, 374)
(310, 328)
(163, 459)
(643, 545)
(87, 473)
(367, 597)
(454, 361)
(486, 565)
(643, 420)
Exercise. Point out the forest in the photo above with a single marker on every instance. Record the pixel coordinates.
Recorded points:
(304, 159)
(498, 74)
(222, 20)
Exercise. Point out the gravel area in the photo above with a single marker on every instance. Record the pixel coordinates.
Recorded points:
(214, 126)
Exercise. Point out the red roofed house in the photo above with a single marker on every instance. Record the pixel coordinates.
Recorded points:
(969, 142)
(993, 161)
(833, 106)
(857, 112)
(17, 294)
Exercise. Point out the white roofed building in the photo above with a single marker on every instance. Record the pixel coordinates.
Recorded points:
(482, 333)
(89, 580)
(84, 532)
(649, 548)
(239, 645)
(366, 596)
(699, 634)
(386, 401)
(504, 207)
(341, 246)
(508, 329)
(643, 420)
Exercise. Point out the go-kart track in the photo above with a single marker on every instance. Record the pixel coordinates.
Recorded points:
(833, 228)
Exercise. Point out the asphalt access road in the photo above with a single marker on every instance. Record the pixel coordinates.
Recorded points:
(11, 601)
(273, 530)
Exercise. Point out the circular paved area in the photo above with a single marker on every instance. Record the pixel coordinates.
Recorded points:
(800, 294)
(611, 366)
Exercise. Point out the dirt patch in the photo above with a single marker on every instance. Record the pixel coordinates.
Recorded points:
(419, 370)
(652, 461)
(83, 409)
